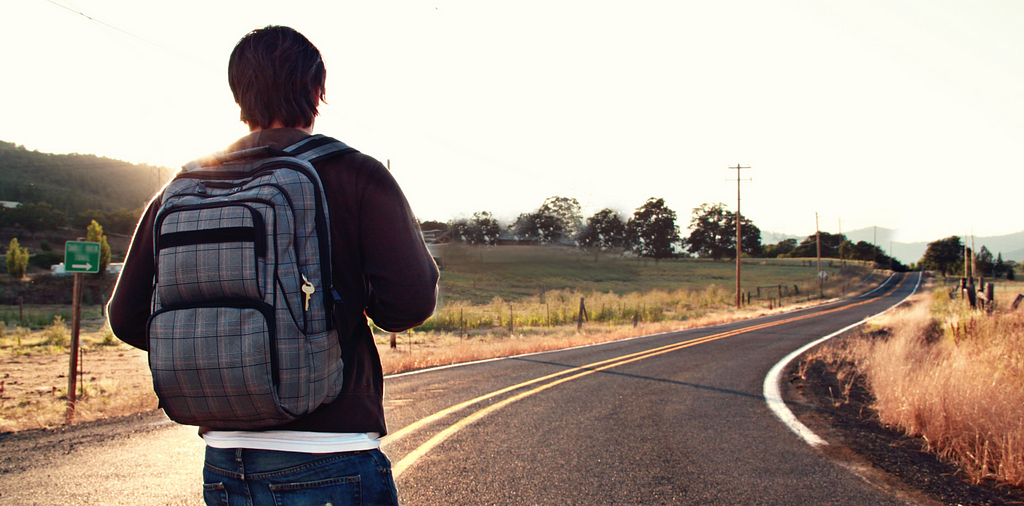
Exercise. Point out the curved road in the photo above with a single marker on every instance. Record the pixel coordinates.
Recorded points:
(674, 418)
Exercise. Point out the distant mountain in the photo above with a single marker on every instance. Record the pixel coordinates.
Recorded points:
(775, 238)
(874, 235)
(1010, 245)
(74, 183)
(1016, 255)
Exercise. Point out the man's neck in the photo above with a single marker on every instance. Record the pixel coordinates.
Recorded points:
(278, 124)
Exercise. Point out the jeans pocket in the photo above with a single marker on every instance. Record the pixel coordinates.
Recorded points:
(335, 491)
(214, 494)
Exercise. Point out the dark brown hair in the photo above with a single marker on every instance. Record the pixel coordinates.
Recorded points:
(277, 74)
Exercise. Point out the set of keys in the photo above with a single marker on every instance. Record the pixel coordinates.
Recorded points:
(308, 289)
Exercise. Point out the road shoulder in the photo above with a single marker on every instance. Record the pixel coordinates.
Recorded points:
(884, 457)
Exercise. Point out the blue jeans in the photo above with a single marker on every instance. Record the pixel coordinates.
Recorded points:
(237, 477)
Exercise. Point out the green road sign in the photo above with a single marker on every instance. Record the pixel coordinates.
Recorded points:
(80, 256)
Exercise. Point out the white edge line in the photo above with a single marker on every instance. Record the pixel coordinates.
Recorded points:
(773, 381)
(605, 343)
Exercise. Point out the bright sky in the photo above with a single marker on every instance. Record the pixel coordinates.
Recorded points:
(902, 114)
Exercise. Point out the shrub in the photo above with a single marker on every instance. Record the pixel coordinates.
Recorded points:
(17, 259)
(46, 259)
(56, 334)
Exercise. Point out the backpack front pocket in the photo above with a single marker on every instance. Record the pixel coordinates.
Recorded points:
(215, 364)
(211, 252)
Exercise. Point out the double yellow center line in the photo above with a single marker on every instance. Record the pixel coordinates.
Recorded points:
(569, 375)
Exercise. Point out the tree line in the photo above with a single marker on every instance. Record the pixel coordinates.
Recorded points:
(652, 231)
(59, 191)
(951, 256)
(40, 216)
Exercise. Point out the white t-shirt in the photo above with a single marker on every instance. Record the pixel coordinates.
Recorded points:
(294, 441)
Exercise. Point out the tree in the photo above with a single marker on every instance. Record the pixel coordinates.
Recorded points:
(652, 231)
(434, 225)
(944, 255)
(846, 250)
(710, 235)
(557, 218)
(713, 233)
(95, 234)
(37, 217)
(829, 246)
(999, 268)
(482, 228)
(604, 230)
(751, 236)
(780, 249)
(123, 221)
(17, 259)
(986, 263)
(85, 218)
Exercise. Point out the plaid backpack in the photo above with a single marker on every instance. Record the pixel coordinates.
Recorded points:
(241, 334)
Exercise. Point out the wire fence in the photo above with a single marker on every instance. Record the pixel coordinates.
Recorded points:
(563, 307)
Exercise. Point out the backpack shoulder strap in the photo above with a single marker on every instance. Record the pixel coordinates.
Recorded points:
(318, 147)
(311, 149)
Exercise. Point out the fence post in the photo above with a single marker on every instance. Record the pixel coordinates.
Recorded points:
(1016, 302)
(511, 318)
(583, 313)
(394, 340)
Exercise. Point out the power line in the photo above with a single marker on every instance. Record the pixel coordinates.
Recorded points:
(143, 39)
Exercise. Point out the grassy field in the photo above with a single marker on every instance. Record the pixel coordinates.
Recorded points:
(520, 299)
(523, 286)
(515, 273)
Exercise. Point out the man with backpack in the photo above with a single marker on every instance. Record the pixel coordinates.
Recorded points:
(250, 279)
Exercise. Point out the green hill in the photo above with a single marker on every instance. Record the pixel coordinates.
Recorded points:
(73, 183)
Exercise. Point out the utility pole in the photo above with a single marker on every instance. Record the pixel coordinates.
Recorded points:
(974, 260)
(841, 257)
(965, 259)
(739, 234)
(874, 244)
(817, 239)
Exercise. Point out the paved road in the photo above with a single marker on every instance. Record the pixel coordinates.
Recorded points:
(676, 418)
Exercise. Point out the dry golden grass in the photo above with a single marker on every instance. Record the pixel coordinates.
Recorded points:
(951, 375)
(430, 349)
(33, 378)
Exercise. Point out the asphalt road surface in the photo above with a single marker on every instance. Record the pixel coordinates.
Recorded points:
(674, 418)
